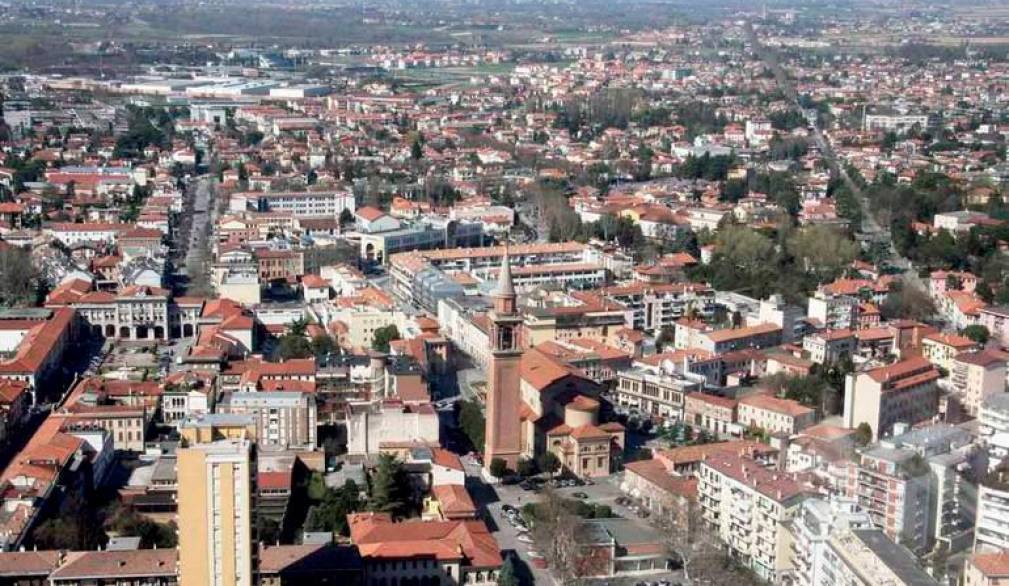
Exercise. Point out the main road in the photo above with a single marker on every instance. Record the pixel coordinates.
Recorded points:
(870, 227)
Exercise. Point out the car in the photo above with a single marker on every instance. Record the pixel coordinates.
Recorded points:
(524, 539)
(579, 495)
(533, 554)
(643, 513)
(623, 501)
(527, 486)
(540, 563)
(507, 508)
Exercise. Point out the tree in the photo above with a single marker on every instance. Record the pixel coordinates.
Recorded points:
(548, 462)
(978, 333)
(388, 486)
(472, 423)
(292, 346)
(823, 250)
(416, 150)
(18, 279)
(863, 434)
(555, 533)
(346, 217)
(666, 337)
(323, 345)
(498, 467)
(329, 513)
(907, 303)
(527, 467)
(384, 335)
(699, 550)
(506, 576)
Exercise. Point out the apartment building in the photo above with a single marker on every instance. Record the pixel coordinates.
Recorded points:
(710, 412)
(818, 521)
(285, 419)
(773, 414)
(902, 392)
(750, 506)
(838, 312)
(941, 349)
(996, 319)
(893, 487)
(697, 334)
(304, 204)
(651, 391)
(991, 532)
(993, 431)
(654, 307)
(215, 513)
(830, 346)
(986, 569)
(975, 376)
(867, 557)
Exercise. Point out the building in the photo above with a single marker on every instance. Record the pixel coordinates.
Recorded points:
(750, 507)
(715, 414)
(374, 423)
(664, 493)
(991, 533)
(310, 565)
(993, 431)
(774, 415)
(816, 523)
(986, 569)
(902, 392)
(892, 486)
(996, 319)
(618, 548)
(302, 204)
(141, 567)
(975, 376)
(284, 419)
(503, 434)
(836, 312)
(941, 349)
(830, 346)
(425, 552)
(651, 391)
(215, 513)
(867, 557)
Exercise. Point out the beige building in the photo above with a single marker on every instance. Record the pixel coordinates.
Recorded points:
(977, 375)
(774, 415)
(653, 392)
(902, 392)
(941, 349)
(750, 508)
(284, 419)
(711, 412)
(215, 513)
(987, 569)
(867, 557)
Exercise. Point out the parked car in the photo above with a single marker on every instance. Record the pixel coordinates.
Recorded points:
(508, 508)
(580, 495)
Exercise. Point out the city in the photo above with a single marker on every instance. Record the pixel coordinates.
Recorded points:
(461, 292)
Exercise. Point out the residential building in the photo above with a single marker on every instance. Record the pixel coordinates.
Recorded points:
(993, 431)
(830, 346)
(750, 508)
(975, 376)
(991, 533)
(814, 525)
(215, 513)
(284, 419)
(449, 552)
(902, 392)
(774, 415)
(652, 391)
(986, 569)
(941, 349)
(996, 319)
(710, 412)
(140, 567)
(867, 557)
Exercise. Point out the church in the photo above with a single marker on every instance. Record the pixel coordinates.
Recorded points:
(535, 403)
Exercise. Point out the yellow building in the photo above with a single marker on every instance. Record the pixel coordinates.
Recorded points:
(215, 513)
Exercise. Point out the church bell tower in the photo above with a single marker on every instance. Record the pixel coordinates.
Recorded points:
(503, 433)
